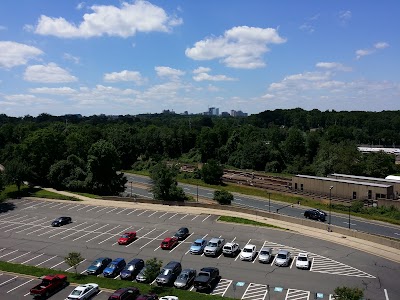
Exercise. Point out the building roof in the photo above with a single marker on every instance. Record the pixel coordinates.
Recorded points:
(391, 180)
(345, 181)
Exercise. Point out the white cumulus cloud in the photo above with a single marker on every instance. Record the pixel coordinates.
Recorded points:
(124, 75)
(168, 72)
(53, 91)
(50, 73)
(123, 21)
(206, 76)
(201, 70)
(15, 54)
(239, 47)
(377, 46)
(333, 66)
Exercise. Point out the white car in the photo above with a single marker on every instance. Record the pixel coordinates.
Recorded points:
(169, 298)
(84, 291)
(303, 261)
(249, 252)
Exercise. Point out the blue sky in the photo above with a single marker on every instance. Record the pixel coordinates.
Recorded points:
(133, 57)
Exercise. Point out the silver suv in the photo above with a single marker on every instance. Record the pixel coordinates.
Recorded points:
(214, 247)
(283, 258)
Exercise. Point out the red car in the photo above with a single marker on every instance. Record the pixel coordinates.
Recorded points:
(169, 243)
(127, 237)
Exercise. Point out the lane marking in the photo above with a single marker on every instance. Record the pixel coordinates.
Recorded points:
(153, 239)
(3, 283)
(45, 261)
(19, 256)
(386, 294)
(32, 258)
(19, 286)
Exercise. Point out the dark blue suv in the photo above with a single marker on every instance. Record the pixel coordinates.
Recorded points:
(114, 268)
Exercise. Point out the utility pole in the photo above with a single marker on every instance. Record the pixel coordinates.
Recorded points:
(330, 207)
(269, 202)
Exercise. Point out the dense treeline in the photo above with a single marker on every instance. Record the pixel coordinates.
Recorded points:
(82, 153)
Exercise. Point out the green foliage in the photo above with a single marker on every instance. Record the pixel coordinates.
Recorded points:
(212, 172)
(348, 293)
(2, 182)
(68, 174)
(141, 165)
(73, 259)
(247, 222)
(16, 171)
(153, 267)
(223, 197)
(165, 186)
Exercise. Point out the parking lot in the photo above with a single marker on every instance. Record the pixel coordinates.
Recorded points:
(27, 238)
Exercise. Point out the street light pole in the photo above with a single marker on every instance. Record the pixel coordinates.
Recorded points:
(330, 207)
(131, 187)
(197, 190)
(269, 202)
(349, 215)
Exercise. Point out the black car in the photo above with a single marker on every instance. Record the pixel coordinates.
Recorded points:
(185, 279)
(169, 273)
(129, 293)
(98, 266)
(61, 221)
(315, 214)
(132, 269)
(182, 233)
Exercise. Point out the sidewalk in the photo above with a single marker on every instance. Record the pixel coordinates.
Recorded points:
(355, 243)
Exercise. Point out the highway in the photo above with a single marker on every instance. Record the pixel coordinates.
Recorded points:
(341, 220)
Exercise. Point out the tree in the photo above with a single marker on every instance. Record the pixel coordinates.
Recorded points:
(347, 293)
(223, 197)
(16, 171)
(102, 166)
(73, 259)
(68, 174)
(212, 172)
(165, 186)
(153, 266)
(2, 184)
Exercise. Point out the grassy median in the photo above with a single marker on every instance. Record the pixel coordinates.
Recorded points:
(247, 222)
(11, 192)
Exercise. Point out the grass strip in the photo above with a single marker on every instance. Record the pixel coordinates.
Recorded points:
(11, 191)
(247, 222)
(107, 283)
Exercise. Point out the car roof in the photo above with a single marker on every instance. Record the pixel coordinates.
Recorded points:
(283, 251)
(167, 239)
(200, 240)
(135, 260)
(118, 259)
(266, 249)
(304, 254)
(249, 246)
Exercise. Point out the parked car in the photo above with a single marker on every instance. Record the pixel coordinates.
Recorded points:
(214, 246)
(169, 273)
(61, 221)
(147, 297)
(169, 298)
(50, 285)
(206, 278)
(141, 276)
(315, 215)
(98, 266)
(249, 252)
(132, 269)
(114, 268)
(303, 261)
(182, 233)
(230, 249)
(84, 291)
(197, 246)
(127, 238)
(265, 255)
(185, 279)
(283, 258)
(128, 293)
(169, 243)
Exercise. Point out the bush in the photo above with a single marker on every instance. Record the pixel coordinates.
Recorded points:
(223, 197)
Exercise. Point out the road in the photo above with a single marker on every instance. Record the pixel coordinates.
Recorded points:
(26, 237)
(341, 220)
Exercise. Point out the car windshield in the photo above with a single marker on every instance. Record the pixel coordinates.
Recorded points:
(183, 276)
(281, 255)
(130, 267)
(97, 263)
(247, 250)
(302, 258)
(212, 244)
(76, 292)
(125, 236)
(264, 252)
(165, 272)
(112, 266)
(142, 271)
(196, 244)
(165, 243)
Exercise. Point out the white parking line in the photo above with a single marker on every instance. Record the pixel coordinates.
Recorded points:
(184, 216)
(108, 211)
(75, 206)
(242, 250)
(9, 253)
(101, 209)
(25, 224)
(12, 217)
(7, 281)
(172, 216)
(142, 212)
(293, 259)
(132, 211)
(258, 253)
(121, 211)
(57, 264)
(89, 232)
(19, 231)
(162, 215)
(114, 235)
(194, 217)
(92, 208)
(152, 214)
(19, 256)
(58, 204)
(103, 233)
(32, 258)
(153, 239)
(75, 230)
(181, 243)
(75, 265)
(19, 286)
(84, 206)
(46, 261)
(206, 218)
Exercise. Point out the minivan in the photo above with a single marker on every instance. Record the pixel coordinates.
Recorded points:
(114, 268)
(169, 273)
(132, 269)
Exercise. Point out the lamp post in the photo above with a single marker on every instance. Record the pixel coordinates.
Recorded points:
(330, 207)
(269, 202)
(197, 191)
(131, 186)
(349, 215)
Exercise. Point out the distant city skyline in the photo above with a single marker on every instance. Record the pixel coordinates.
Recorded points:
(137, 57)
